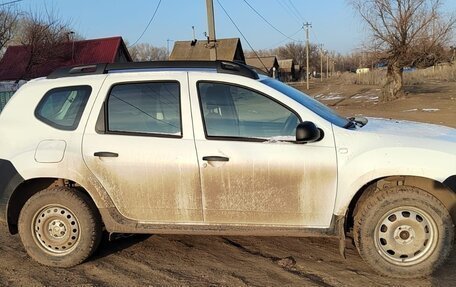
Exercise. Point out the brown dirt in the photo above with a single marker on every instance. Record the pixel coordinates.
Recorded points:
(178, 260)
(434, 102)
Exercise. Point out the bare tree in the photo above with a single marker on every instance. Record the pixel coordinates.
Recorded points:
(147, 52)
(403, 31)
(292, 50)
(43, 36)
(9, 18)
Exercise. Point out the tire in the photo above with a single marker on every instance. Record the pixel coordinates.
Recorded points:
(403, 232)
(60, 227)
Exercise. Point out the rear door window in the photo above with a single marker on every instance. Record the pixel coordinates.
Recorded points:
(151, 108)
(62, 108)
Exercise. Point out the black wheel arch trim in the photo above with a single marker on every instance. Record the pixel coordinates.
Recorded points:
(10, 179)
(450, 183)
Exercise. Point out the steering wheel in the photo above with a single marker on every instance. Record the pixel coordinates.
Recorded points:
(290, 125)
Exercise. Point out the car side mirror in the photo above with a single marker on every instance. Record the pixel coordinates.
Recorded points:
(307, 132)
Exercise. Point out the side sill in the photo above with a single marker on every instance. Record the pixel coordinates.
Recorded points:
(115, 223)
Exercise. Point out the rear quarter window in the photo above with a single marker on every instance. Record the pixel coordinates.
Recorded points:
(62, 108)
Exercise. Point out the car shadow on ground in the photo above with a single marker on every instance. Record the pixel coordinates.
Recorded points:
(446, 273)
(315, 256)
(117, 243)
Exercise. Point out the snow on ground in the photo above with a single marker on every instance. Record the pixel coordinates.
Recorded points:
(367, 97)
(423, 110)
(330, 97)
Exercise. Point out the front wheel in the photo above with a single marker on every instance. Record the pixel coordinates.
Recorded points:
(60, 227)
(403, 232)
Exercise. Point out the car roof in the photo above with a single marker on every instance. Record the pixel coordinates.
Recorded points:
(225, 67)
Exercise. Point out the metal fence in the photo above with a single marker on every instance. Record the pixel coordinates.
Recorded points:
(4, 98)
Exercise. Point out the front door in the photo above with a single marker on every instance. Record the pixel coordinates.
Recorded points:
(251, 170)
(143, 153)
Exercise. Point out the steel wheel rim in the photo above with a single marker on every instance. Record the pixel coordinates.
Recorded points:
(56, 229)
(406, 236)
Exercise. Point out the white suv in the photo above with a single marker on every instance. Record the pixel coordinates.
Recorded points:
(214, 148)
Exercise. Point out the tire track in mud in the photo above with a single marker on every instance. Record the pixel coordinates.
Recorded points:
(287, 263)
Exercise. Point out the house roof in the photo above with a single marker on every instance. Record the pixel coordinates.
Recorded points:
(263, 63)
(13, 65)
(227, 49)
(286, 65)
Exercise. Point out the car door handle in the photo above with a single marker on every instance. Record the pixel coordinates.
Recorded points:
(106, 154)
(216, 158)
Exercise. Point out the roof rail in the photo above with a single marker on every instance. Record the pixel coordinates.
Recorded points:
(225, 67)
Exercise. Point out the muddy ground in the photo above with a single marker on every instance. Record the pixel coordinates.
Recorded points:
(160, 260)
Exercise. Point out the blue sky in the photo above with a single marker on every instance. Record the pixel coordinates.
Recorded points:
(334, 23)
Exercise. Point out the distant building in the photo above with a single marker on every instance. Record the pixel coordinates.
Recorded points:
(15, 69)
(287, 71)
(197, 50)
(268, 65)
(362, 70)
(13, 66)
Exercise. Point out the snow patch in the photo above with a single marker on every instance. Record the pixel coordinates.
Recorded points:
(368, 97)
(331, 96)
(423, 110)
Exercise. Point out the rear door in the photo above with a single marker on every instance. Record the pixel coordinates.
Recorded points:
(142, 149)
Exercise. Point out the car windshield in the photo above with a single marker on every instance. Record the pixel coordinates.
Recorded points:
(313, 105)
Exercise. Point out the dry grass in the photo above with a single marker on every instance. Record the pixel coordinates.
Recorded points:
(376, 77)
(446, 73)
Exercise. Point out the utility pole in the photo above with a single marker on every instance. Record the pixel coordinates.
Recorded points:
(321, 62)
(72, 45)
(211, 24)
(167, 46)
(327, 65)
(307, 25)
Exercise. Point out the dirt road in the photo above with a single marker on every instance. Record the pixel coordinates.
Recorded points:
(242, 261)
(208, 261)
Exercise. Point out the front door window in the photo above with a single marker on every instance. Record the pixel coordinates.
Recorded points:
(233, 111)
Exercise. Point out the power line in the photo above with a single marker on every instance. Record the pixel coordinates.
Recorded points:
(237, 28)
(286, 9)
(148, 24)
(269, 23)
(287, 38)
(315, 35)
(287, 4)
(297, 11)
(11, 2)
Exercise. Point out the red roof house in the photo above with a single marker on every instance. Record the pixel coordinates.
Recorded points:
(15, 64)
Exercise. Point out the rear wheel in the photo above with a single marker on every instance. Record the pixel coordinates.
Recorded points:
(60, 227)
(403, 231)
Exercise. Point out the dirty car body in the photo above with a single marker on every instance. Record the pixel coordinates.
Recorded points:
(198, 150)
